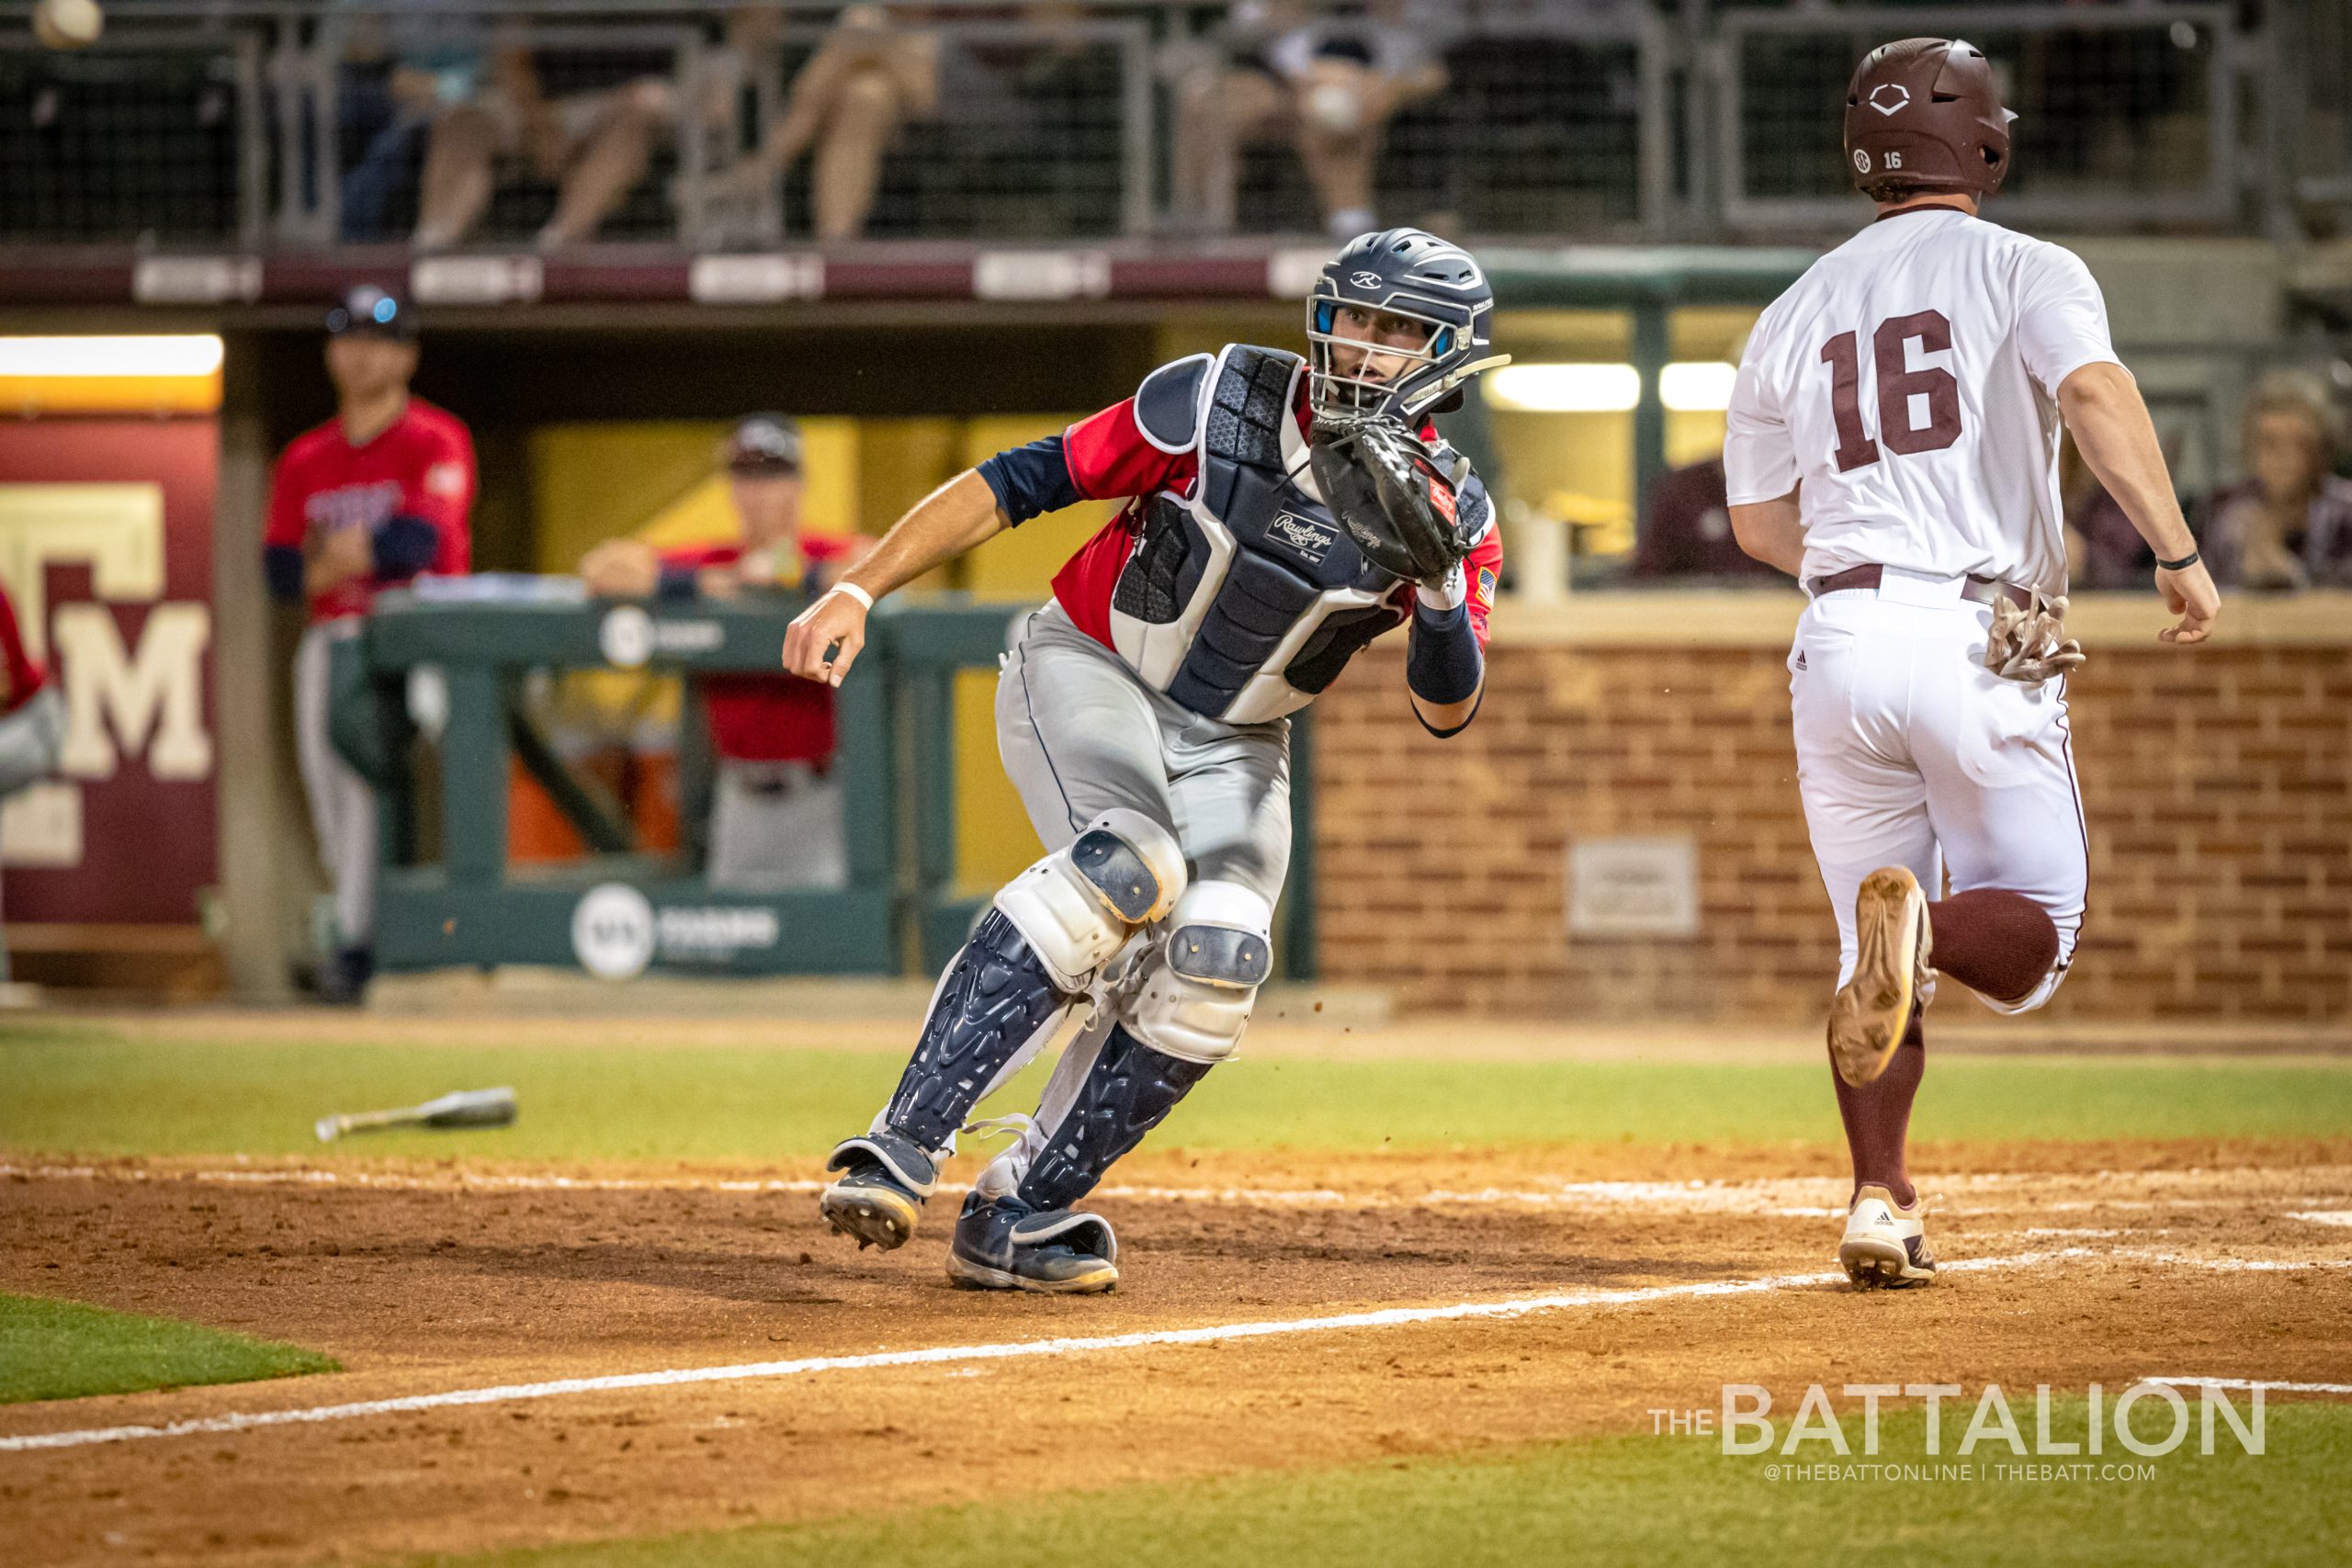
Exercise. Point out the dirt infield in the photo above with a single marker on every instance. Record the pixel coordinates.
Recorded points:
(430, 1279)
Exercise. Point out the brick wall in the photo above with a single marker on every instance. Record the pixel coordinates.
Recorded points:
(2218, 785)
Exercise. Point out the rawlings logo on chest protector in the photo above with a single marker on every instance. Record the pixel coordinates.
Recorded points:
(1244, 597)
(1310, 539)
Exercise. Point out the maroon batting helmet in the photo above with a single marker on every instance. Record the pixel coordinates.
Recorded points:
(1923, 114)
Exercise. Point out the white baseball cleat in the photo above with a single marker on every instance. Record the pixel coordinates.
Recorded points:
(1892, 948)
(1885, 1246)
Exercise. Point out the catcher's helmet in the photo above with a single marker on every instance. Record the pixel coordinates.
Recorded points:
(1408, 273)
(1923, 114)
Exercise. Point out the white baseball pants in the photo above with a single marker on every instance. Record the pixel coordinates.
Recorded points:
(1910, 752)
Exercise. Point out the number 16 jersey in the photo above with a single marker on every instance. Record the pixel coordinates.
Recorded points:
(1906, 386)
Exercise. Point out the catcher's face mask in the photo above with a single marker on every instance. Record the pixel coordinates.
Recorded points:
(1362, 355)
(1396, 323)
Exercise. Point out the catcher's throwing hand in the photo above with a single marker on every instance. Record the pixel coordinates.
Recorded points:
(824, 640)
(1395, 497)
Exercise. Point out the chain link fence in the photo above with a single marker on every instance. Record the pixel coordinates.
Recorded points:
(276, 123)
(2126, 116)
(153, 140)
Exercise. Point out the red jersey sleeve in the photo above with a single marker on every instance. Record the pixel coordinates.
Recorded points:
(442, 493)
(1109, 457)
(284, 523)
(1482, 572)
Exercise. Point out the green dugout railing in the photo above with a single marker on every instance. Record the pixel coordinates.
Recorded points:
(619, 912)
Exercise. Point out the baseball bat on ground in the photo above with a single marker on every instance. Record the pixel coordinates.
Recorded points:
(469, 1108)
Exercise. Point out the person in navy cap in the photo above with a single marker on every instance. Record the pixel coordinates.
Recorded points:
(373, 498)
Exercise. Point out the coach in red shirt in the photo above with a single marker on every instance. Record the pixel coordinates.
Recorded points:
(777, 808)
(370, 500)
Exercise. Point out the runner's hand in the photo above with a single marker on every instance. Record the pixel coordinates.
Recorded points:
(2190, 595)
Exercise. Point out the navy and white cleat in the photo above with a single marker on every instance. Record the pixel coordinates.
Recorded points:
(879, 1196)
(1885, 1245)
(1004, 1245)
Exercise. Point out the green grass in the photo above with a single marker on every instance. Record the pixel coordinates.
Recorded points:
(53, 1350)
(87, 1091)
(1659, 1502)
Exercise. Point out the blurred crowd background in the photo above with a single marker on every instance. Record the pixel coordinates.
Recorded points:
(567, 129)
(719, 292)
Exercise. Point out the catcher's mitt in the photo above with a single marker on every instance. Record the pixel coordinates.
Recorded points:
(2030, 643)
(1397, 501)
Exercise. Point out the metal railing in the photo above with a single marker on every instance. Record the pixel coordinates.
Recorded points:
(2126, 116)
(301, 124)
(164, 137)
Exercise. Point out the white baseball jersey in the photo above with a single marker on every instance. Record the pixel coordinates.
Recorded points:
(1907, 385)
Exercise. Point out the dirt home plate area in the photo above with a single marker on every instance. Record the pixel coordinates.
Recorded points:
(538, 1352)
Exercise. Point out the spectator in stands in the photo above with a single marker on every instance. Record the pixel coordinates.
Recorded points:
(369, 500)
(32, 717)
(2289, 524)
(1328, 84)
(1686, 529)
(776, 814)
(873, 73)
(594, 144)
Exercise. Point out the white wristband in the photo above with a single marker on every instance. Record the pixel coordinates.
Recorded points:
(854, 592)
(1449, 594)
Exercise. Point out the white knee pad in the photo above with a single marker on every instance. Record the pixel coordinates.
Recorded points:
(1077, 904)
(1196, 1001)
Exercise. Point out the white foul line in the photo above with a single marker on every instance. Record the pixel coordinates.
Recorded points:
(1778, 1196)
(1386, 1317)
(2256, 1382)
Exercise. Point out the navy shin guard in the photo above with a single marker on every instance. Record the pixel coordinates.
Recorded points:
(1129, 1091)
(996, 999)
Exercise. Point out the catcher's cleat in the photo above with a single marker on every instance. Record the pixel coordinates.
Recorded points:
(881, 1192)
(1004, 1245)
(1885, 1245)
(1892, 948)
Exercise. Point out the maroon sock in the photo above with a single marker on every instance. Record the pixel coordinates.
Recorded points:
(1996, 943)
(1878, 1115)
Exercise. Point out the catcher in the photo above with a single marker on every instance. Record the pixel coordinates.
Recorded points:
(1284, 513)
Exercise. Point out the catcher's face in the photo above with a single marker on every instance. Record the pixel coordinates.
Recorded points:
(1375, 345)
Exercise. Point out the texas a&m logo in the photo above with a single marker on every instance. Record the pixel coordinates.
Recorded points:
(134, 692)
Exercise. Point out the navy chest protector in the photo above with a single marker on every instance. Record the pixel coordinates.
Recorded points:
(1245, 599)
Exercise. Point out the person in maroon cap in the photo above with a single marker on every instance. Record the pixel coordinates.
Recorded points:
(372, 499)
(776, 806)
(1892, 443)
